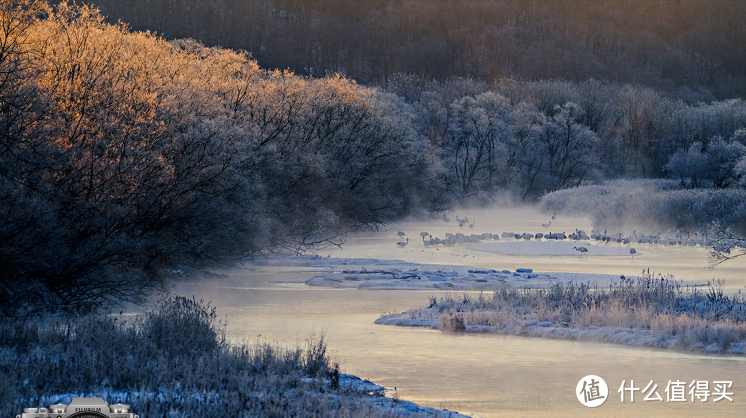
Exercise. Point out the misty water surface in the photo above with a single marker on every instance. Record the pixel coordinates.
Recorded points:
(484, 375)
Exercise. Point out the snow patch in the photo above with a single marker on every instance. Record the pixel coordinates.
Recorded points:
(397, 407)
(371, 273)
(432, 276)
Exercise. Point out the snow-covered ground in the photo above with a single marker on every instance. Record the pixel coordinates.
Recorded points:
(369, 273)
(378, 400)
(448, 277)
(534, 328)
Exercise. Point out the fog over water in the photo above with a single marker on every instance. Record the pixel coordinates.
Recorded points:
(684, 263)
(485, 375)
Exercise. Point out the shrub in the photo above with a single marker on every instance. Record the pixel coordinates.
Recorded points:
(659, 303)
(180, 325)
(168, 361)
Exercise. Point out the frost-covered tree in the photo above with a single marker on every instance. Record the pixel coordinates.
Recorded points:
(644, 120)
(569, 146)
(739, 168)
(715, 164)
(723, 157)
(124, 155)
(527, 162)
(689, 166)
(477, 135)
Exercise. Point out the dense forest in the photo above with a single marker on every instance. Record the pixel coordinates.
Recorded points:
(125, 156)
(689, 48)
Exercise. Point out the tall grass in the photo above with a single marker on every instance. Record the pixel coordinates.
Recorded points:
(698, 318)
(171, 361)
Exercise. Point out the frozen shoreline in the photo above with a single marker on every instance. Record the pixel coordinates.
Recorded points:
(377, 274)
(356, 384)
(534, 328)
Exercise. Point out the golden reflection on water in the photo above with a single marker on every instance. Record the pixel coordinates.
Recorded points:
(485, 375)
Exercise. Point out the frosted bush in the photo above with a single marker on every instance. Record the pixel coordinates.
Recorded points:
(169, 361)
(650, 303)
(657, 205)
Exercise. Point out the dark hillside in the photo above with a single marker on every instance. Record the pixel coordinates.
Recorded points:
(690, 48)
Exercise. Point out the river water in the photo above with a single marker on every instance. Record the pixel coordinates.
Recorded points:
(483, 375)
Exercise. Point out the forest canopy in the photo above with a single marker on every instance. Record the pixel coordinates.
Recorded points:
(124, 155)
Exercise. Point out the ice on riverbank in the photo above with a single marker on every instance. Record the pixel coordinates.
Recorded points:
(354, 383)
(411, 409)
(448, 277)
(545, 329)
(371, 273)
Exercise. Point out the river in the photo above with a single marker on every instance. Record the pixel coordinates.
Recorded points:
(483, 375)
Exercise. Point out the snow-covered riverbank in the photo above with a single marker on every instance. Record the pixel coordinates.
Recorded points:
(172, 360)
(371, 273)
(386, 404)
(560, 330)
(448, 277)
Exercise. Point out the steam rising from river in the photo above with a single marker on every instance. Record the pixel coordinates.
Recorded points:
(690, 263)
(485, 375)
